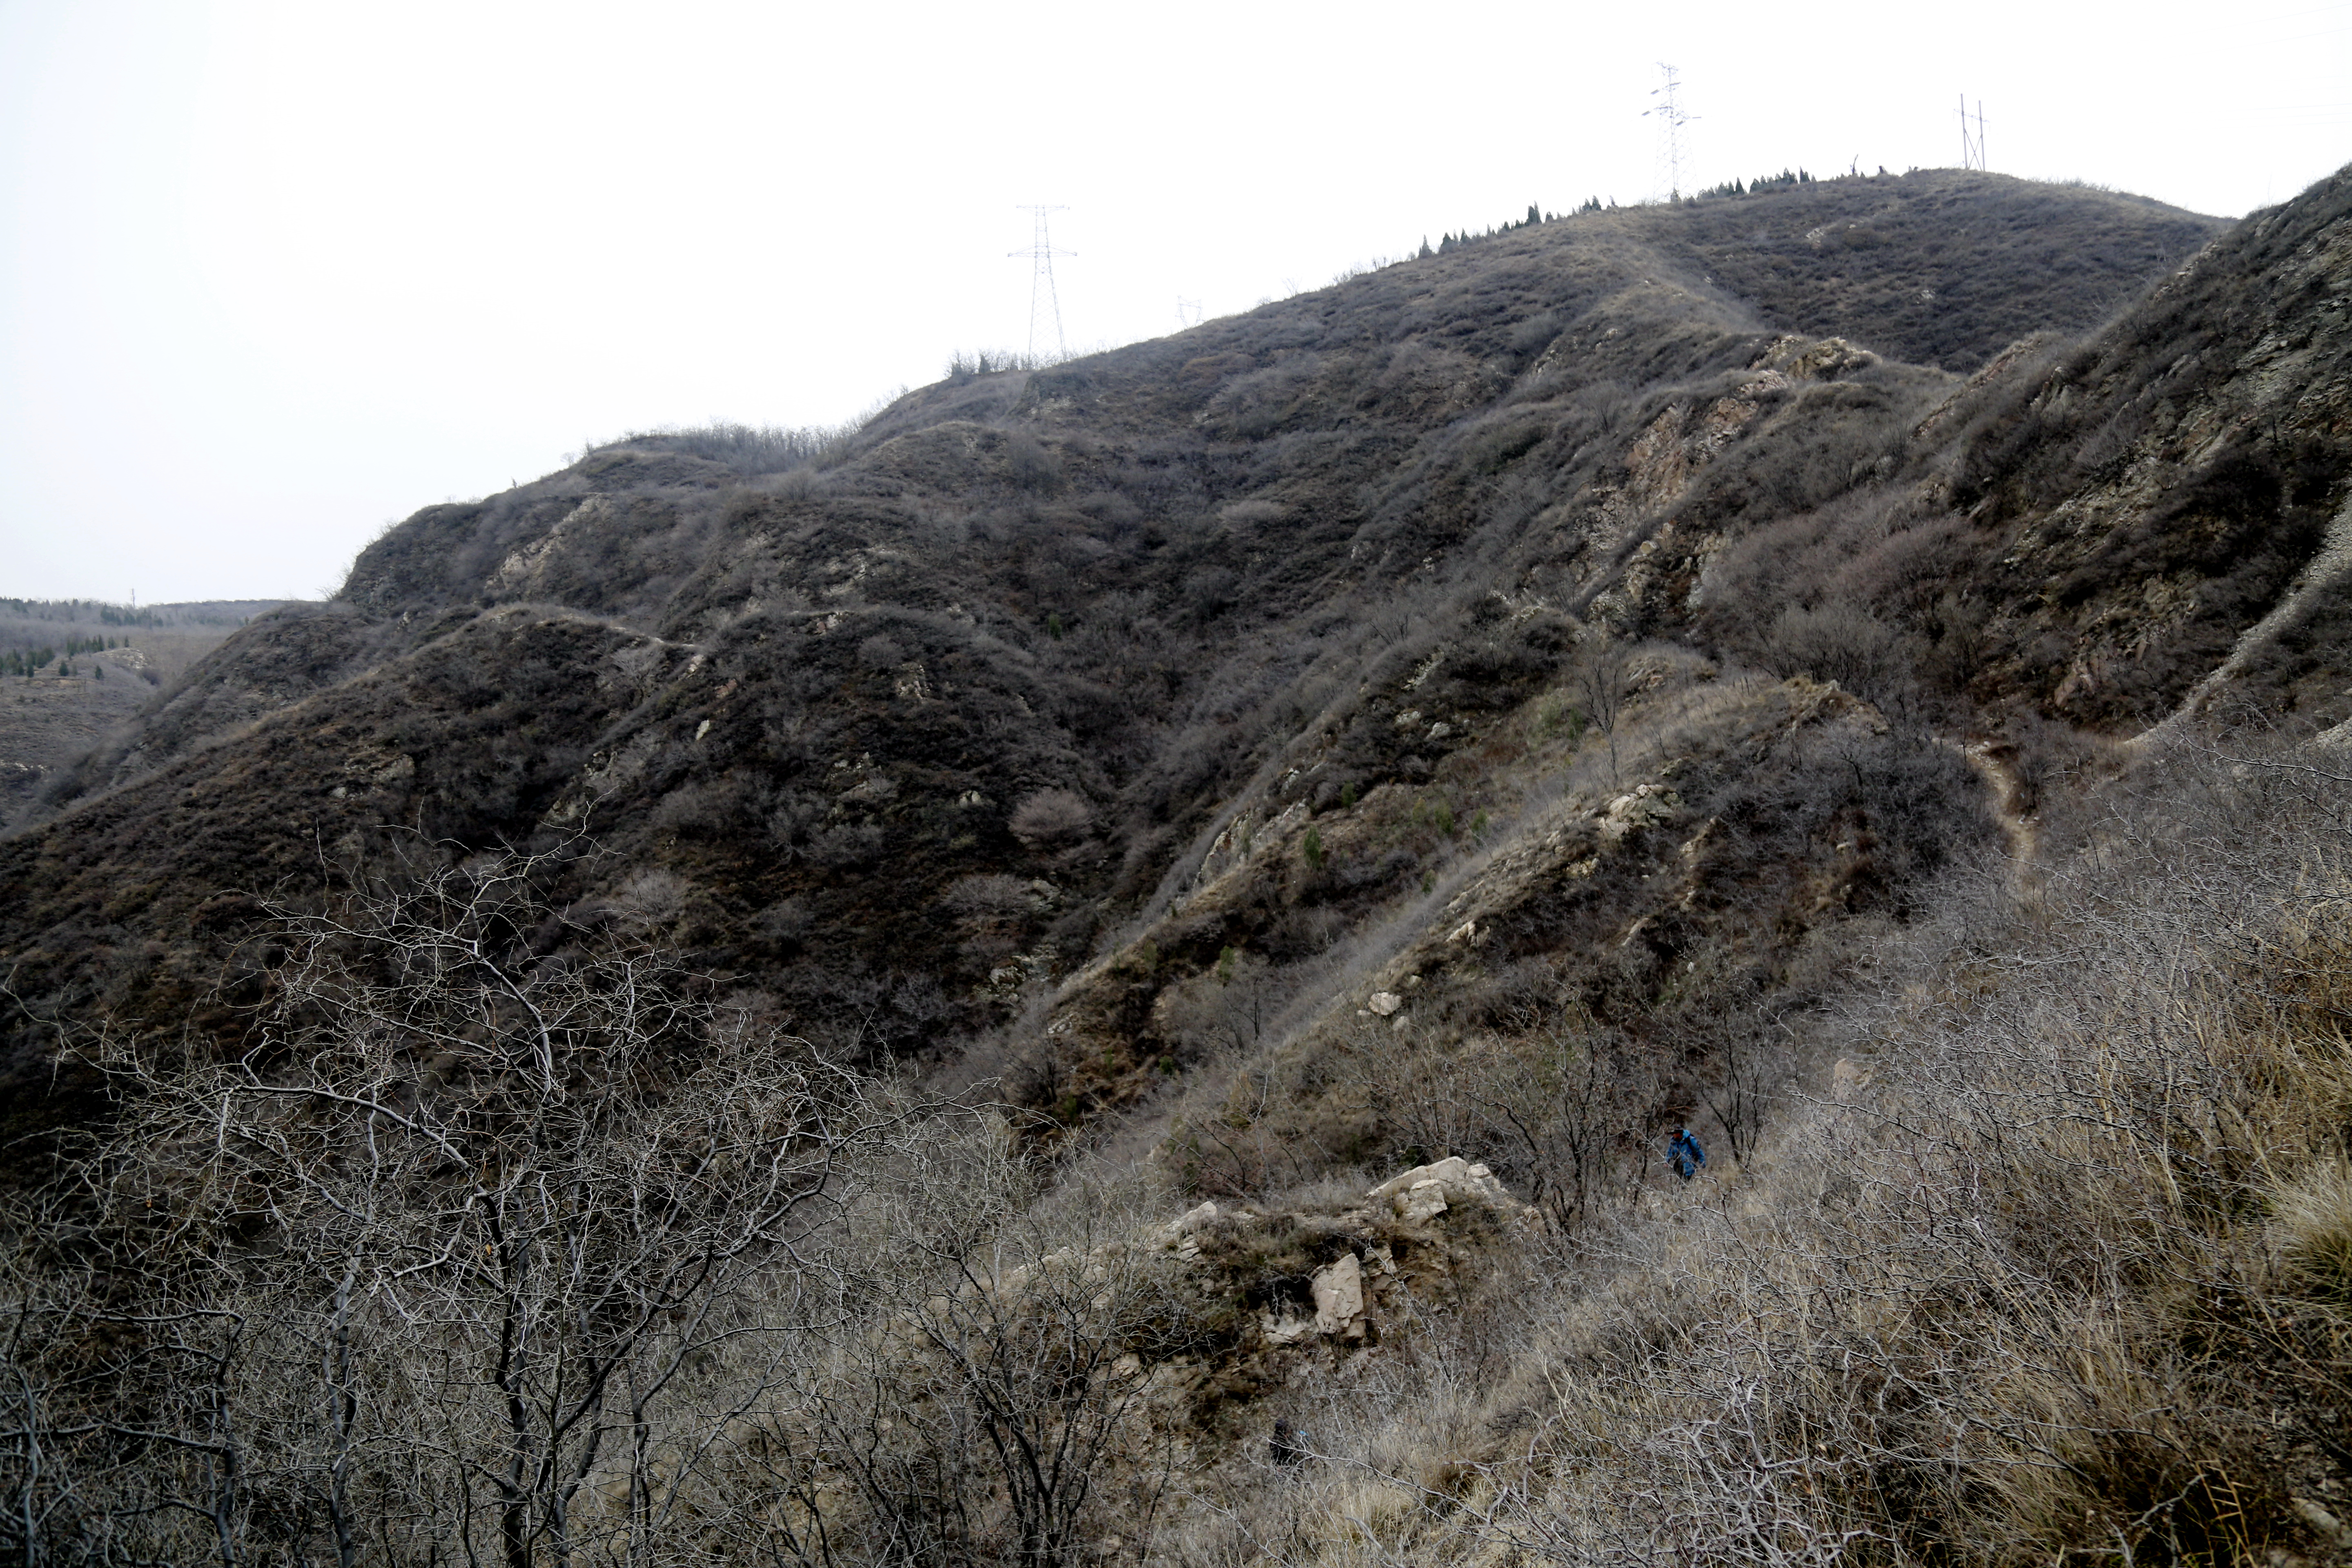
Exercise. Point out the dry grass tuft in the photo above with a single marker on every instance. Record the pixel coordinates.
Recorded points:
(2311, 1220)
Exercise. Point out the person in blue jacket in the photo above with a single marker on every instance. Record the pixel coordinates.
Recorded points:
(1683, 1153)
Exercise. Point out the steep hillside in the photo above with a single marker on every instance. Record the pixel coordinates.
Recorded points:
(1130, 586)
(1493, 712)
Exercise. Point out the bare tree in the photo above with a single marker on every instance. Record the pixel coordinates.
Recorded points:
(1000, 1397)
(480, 1250)
(1563, 1114)
(1737, 1088)
(1603, 683)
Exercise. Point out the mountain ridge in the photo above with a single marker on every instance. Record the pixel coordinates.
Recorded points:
(1261, 502)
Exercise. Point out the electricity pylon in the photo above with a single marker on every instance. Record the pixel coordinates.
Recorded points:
(1044, 303)
(1671, 119)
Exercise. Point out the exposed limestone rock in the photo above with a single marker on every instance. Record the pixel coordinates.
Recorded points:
(1178, 1235)
(1421, 1202)
(1825, 359)
(1286, 1329)
(1427, 1191)
(1645, 806)
(1385, 1003)
(1340, 1297)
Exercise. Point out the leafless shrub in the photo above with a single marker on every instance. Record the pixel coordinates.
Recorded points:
(846, 845)
(1603, 682)
(475, 1250)
(1226, 1010)
(1051, 820)
(1846, 645)
(988, 895)
(1030, 466)
(746, 448)
(997, 1413)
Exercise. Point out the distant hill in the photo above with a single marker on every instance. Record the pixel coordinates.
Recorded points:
(58, 657)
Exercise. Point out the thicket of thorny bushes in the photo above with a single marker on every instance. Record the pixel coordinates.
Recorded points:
(506, 1247)
(2061, 1272)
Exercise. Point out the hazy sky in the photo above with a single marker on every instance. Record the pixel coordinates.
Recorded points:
(274, 275)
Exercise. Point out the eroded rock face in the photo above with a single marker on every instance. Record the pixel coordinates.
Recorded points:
(1338, 1289)
(1421, 1202)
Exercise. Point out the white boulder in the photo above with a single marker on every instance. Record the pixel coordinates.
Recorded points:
(1340, 1297)
(1427, 1191)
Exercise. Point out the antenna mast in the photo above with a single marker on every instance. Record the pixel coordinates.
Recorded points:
(1044, 304)
(1671, 117)
(1972, 148)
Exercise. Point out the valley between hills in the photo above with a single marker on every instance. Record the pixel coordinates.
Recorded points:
(1101, 968)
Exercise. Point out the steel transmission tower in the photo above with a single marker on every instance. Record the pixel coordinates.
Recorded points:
(1972, 148)
(1672, 152)
(1044, 304)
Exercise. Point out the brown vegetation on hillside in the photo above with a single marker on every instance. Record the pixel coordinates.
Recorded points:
(1471, 719)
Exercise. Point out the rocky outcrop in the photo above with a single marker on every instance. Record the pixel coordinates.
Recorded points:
(1425, 1191)
(1645, 806)
(1334, 1278)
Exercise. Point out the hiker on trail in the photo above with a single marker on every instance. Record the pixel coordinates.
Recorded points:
(1685, 1154)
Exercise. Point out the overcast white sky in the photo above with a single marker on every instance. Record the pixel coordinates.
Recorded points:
(272, 275)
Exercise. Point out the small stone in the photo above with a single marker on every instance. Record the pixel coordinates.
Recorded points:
(2318, 1518)
(1385, 1003)
(1286, 1329)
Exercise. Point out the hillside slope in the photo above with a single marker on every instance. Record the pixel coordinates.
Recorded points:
(1139, 578)
(1503, 706)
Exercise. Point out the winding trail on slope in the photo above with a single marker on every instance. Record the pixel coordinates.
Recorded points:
(2019, 828)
